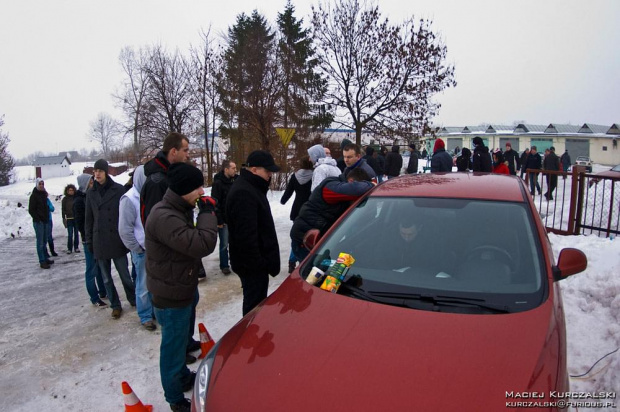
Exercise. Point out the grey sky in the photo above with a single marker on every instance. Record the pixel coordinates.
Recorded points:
(535, 60)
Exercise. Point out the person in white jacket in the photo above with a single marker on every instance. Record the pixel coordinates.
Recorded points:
(131, 232)
(324, 165)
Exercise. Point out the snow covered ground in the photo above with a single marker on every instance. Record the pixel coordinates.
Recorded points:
(59, 353)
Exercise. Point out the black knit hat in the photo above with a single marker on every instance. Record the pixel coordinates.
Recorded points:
(101, 164)
(184, 178)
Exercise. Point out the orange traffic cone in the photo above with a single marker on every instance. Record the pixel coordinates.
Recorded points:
(132, 403)
(206, 341)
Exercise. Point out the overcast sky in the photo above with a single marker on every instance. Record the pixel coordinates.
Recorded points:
(540, 61)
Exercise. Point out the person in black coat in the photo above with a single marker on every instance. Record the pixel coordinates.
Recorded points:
(512, 157)
(381, 163)
(412, 166)
(102, 238)
(222, 182)
(393, 163)
(441, 160)
(523, 160)
(482, 161)
(39, 211)
(94, 281)
(551, 162)
(300, 183)
(372, 161)
(254, 249)
(533, 161)
(463, 162)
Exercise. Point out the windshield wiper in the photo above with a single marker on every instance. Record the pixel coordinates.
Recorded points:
(446, 300)
(351, 290)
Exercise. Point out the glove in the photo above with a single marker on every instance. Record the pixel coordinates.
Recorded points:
(207, 204)
(64, 222)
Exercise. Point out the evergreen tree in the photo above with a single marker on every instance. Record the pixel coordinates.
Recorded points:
(303, 86)
(6, 160)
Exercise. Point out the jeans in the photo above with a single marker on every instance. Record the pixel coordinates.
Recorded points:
(143, 297)
(223, 234)
(73, 236)
(91, 274)
(120, 264)
(40, 231)
(299, 250)
(534, 183)
(174, 324)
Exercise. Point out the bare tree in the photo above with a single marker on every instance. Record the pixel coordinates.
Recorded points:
(105, 130)
(132, 96)
(381, 76)
(206, 64)
(7, 163)
(169, 99)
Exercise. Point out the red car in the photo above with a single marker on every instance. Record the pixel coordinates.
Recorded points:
(452, 303)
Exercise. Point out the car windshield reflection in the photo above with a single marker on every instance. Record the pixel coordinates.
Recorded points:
(460, 251)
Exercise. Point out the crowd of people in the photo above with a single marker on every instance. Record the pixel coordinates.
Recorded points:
(153, 219)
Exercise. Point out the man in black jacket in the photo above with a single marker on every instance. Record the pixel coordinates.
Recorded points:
(254, 249)
(551, 162)
(512, 157)
(482, 161)
(412, 166)
(393, 163)
(102, 238)
(533, 161)
(39, 211)
(222, 182)
(175, 150)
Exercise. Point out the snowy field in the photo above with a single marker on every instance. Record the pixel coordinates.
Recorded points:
(59, 353)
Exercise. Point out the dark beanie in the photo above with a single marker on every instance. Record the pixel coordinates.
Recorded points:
(478, 141)
(344, 143)
(184, 178)
(101, 164)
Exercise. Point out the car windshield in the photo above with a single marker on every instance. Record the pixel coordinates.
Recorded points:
(436, 249)
(583, 159)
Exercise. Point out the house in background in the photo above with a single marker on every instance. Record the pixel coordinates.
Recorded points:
(52, 166)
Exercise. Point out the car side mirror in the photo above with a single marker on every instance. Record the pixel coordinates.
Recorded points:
(570, 262)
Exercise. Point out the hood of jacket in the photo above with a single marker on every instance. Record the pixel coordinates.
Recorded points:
(303, 176)
(139, 178)
(157, 164)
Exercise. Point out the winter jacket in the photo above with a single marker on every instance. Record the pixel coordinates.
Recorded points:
(300, 183)
(501, 169)
(565, 160)
(79, 212)
(393, 162)
(327, 202)
(523, 160)
(326, 167)
(219, 191)
(412, 166)
(361, 164)
(533, 161)
(514, 162)
(551, 162)
(372, 161)
(156, 184)
(130, 227)
(253, 242)
(463, 162)
(380, 164)
(37, 206)
(441, 161)
(101, 221)
(174, 249)
(66, 208)
(482, 160)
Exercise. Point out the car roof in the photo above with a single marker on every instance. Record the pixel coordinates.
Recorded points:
(460, 185)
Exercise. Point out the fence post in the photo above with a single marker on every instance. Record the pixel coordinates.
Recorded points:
(579, 177)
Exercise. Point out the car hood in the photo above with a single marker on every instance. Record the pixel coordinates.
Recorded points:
(308, 349)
